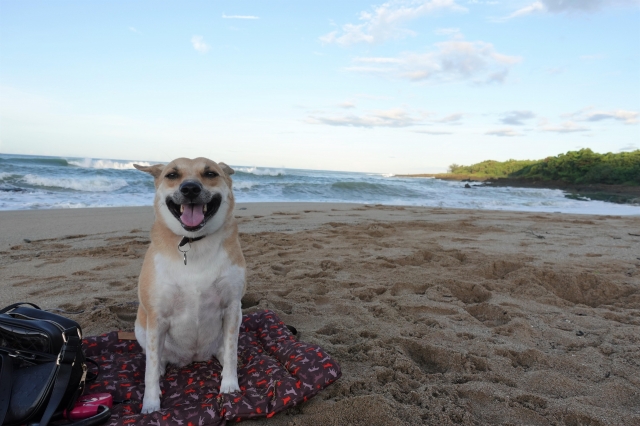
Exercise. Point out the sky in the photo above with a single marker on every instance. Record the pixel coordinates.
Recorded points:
(403, 86)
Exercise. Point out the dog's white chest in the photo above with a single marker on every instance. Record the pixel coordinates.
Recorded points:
(191, 299)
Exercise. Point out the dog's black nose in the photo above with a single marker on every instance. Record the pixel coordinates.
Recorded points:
(190, 189)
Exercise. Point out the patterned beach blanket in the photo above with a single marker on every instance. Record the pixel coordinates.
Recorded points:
(275, 372)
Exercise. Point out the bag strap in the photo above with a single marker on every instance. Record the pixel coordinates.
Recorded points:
(91, 376)
(66, 359)
(6, 370)
(15, 305)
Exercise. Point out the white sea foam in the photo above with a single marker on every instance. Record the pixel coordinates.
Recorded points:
(384, 175)
(243, 185)
(90, 163)
(260, 171)
(92, 184)
(4, 175)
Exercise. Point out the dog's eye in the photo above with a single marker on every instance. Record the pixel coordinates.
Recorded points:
(210, 174)
(172, 175)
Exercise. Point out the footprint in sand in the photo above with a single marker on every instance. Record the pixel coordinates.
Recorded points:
(280, 269)
(488, 314)
(125, 313)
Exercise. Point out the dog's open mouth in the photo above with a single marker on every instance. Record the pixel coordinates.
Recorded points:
(194, 216)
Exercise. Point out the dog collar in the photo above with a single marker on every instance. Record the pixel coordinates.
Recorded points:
(184, 242)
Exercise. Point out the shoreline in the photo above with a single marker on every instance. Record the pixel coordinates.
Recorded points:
(36, 224)
(618, 194)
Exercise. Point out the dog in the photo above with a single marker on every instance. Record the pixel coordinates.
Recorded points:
(193, 275)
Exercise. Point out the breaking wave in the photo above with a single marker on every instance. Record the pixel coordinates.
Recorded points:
(91, 184)
(260, 171)
(90, 163)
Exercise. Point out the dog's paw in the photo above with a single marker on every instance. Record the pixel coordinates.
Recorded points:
(150, 406)
(229, 385)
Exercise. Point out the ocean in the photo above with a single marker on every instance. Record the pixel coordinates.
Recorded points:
(39, 182)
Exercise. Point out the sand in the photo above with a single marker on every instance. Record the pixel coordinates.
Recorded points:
(437, 316)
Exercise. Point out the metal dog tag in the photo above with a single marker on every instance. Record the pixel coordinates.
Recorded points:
(184, 242)
(187, 242)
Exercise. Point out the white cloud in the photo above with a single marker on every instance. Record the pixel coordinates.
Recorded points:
(628, 117)
(389, 118)
(385, 21)
(452, 118)
(589, 114)
(567, 6)
(527, 10)
(379, 60)
(514, 118)
(199, 44)
(566, 127)
(503, 133)
(451, 60)
(447, 31)
(134, 30)
(239, 16)
(579, 114)
(433, 132)
(630, 147)
(347, 105)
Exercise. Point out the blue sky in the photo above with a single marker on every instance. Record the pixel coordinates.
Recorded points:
(403, 86)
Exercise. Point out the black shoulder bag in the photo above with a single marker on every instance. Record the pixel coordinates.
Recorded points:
(42, 366)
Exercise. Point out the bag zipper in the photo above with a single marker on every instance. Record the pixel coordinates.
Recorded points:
(59, 326)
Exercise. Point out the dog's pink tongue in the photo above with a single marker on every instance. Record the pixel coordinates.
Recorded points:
(193, 215)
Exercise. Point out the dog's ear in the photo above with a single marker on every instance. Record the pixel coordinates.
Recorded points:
(225, 168)
(154, 170)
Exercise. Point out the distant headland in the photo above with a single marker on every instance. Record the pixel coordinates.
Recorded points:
(584, 174)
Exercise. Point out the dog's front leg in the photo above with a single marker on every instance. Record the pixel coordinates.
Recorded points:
(156, 332)
(231, 327)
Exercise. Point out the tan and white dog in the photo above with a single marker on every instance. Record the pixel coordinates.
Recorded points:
(193, 275)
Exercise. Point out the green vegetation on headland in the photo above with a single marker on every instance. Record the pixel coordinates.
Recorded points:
(584, 173)
(489, 169)
(580, 167)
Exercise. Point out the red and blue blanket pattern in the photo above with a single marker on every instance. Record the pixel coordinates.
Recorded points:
(275, 372)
